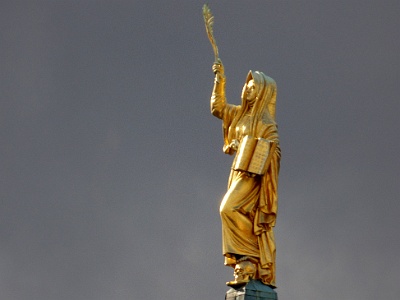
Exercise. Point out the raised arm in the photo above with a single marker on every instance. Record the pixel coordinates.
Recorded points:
(218, 98)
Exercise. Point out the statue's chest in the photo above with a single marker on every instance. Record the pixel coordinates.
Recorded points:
(243, 127)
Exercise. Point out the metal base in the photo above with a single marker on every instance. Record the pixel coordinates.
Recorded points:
(254, 290)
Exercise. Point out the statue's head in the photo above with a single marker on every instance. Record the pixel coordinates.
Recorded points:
(260, 90)
(258, 99)
(244, 271)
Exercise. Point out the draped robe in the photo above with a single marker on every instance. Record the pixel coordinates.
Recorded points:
(249, 208)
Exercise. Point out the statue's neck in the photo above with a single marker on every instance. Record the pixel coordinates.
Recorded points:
(249, 109)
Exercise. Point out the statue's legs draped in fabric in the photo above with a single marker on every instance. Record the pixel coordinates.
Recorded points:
(238, 210)
(237, 214)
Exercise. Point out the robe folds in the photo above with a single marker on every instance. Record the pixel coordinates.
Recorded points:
(249, 208)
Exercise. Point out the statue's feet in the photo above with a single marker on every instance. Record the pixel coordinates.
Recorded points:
(230, 260)
(237, 283)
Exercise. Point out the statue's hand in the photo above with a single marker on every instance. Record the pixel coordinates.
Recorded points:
(218, 68)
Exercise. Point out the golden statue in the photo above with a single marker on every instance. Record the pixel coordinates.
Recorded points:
(249, 208)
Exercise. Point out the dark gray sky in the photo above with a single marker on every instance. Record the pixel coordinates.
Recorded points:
(112, 167)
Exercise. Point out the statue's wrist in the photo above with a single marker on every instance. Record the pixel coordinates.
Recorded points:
(220, 77)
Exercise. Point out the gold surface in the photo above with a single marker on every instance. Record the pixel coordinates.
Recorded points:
(249, 208)
(209, 22)
(252, 155)
(244, 272)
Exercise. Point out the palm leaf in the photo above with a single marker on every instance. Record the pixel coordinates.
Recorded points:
(209, 22)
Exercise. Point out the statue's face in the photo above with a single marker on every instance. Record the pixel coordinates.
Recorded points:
(251, 92)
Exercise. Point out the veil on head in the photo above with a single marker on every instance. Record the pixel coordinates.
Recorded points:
(263, 110)
(266, 93)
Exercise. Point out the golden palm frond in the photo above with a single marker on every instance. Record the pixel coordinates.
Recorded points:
(209, 22)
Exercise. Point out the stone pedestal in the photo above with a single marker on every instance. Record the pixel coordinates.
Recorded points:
(254, 290)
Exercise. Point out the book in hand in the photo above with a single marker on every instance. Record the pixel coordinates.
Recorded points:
(253, 155)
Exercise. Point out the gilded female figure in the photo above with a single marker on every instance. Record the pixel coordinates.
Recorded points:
(249, 208)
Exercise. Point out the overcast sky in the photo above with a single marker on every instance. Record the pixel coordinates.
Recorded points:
(112, 168)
